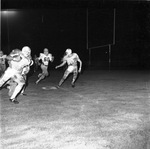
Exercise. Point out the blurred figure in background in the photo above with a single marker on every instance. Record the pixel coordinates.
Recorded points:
(36, 63)
(44, 60)
(2, 62)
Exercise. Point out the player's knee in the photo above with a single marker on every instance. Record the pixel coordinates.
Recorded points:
(75, 74)
(64, 77)
(42, 76)
(21, 83)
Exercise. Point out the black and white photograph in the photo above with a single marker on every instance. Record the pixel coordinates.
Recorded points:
(75, 74)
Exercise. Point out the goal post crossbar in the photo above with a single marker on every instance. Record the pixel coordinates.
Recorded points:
(100, 46)
(109, 53)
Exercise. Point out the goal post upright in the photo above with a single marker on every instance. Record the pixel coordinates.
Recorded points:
(87, 36)
(109, 61)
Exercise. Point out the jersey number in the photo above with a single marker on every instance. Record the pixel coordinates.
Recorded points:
(46, 59)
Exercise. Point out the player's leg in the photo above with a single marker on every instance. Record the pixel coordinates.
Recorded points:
(75, 74)
(13, 84)
(45, 71)
(24, 87)
(11, 87)
(20, 83)
(40, 74)
(66, 73)
(43, 74)
(6, 76)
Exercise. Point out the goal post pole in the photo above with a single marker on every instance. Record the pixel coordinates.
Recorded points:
(87, 37)
(109, 61)
(114, 27)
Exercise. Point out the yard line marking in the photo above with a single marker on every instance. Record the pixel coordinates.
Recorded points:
(62, 88)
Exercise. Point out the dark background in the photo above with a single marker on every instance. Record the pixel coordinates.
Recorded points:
(62, 24)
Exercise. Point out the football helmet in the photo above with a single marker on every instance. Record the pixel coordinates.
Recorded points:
(26, 51)
(68, 51)
(46, 51)
(1, 53)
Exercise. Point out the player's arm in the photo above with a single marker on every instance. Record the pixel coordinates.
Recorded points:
(14, 56)
(51, 58)
(80, 67)
(62, 64)
(31, 62)
(40, 56)
(9, 58)
(4, 56)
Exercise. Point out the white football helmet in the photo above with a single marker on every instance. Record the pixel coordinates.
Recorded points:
(46, 51)
(68, 51)
(1, 53)
(26, 51)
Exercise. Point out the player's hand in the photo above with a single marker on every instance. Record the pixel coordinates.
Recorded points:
(31, 63)
(56, 67)
(52, 59)
(79, 70)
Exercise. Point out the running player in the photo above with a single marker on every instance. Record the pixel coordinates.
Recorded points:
(17, 62)
(71, 59)
(12, 84)
(45, 58)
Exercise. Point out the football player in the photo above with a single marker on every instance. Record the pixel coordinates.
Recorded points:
(44, 59)
(26, 69)
(2, 62)
(17, 62)
(71, 60)
(26, 52)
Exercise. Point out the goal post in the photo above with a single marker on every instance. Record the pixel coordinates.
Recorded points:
(109, 45)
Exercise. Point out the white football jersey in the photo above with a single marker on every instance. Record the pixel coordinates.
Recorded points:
(45, 58)
(18, 66)
(2, 59)
(71, 59)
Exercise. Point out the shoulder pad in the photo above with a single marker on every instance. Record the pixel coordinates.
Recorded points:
(75, 54)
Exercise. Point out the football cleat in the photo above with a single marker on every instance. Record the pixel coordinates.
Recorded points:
(10, 100)
(73, 84)
(58, 86)
(37, 82)
(15, 101)
(23, 94)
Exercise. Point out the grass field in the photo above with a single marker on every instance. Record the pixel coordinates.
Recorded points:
(106, 110)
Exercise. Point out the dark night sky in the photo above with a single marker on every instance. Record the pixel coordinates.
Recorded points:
(59, 25)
